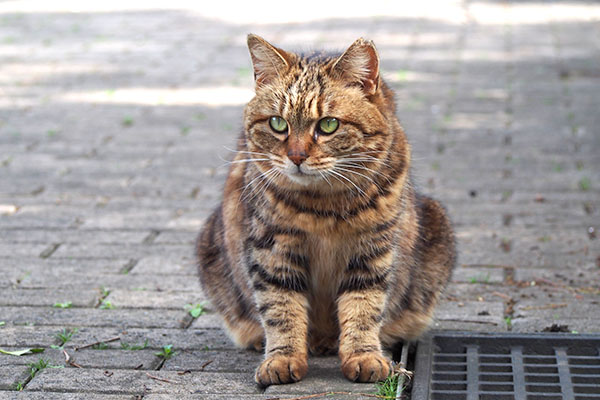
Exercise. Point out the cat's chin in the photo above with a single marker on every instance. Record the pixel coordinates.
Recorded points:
(303, 179)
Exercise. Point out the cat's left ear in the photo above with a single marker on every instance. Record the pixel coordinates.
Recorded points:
(360, 65)
(268, 61)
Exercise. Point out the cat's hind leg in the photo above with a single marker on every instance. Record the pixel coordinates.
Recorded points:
(235, 306)
(411, 307)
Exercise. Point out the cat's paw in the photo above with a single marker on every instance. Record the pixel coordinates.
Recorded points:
(280, 369)
(366, 367)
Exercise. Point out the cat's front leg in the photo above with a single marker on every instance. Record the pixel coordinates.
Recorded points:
(282, 304)
(361, 303)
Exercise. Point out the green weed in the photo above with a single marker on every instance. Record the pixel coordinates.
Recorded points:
(480, 278)
(104, 291)
(127, 121)
(558, 168)
(64, 336)
(195, 310)
(67, 304)
(40, 365)
(127, 346)
(106, 305)
(389, 387)
(585, 183)
(166, 352)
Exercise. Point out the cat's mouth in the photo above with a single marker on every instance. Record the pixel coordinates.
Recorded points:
(302, 175)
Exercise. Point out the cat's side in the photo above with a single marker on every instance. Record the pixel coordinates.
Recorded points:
(321, 243)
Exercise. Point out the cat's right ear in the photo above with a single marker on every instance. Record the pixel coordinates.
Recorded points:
(359, 65)
(268, 61)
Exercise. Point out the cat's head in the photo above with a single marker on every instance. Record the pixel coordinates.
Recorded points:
(318, 119)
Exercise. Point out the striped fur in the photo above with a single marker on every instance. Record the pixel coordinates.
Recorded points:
(339, 253)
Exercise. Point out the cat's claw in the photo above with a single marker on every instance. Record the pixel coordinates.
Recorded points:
(366, 367)
(280, 369)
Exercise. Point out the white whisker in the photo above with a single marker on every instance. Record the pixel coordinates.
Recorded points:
(245, 151)
(359, 174)
(360, 166)
(247, 160)
(324, 176)
(260, 177)
(346, 178)
(339, 180)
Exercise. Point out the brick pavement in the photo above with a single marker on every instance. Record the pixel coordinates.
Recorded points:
(114, 123)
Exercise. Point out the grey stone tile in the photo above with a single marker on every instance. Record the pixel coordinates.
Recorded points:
(138, 382)
(49, 297)
(152, 299)
(184, 339)
(93, 317)
(215, 361)
(10, 375)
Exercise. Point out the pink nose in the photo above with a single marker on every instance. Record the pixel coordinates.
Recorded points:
(297, 157)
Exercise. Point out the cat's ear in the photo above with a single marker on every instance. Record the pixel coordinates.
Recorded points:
(359, 65)
(268, 61)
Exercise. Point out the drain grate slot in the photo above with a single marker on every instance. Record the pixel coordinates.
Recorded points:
(476, 366)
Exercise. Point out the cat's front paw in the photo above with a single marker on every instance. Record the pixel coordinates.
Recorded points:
(366, 367)
(280, 369)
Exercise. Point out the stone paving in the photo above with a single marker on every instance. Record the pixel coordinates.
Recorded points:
(116, 119)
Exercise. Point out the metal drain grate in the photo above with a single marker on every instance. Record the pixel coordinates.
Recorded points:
(475, 366)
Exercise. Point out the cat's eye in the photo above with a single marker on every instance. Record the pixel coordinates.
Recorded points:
(278, 124)
(327, 126)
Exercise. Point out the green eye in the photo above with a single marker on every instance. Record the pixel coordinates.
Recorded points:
(278, 124)
(328, 125)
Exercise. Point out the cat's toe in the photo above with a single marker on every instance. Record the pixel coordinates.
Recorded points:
(366, 367)
(280, 369)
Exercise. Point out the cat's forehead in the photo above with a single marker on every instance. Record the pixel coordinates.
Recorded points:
(303, 96)
(302, 92)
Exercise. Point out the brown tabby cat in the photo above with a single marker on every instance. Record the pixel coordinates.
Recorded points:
(321, 243)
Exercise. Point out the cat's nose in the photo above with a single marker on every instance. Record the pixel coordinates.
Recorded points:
(297, 156)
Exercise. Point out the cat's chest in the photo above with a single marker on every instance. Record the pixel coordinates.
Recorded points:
(328, 255)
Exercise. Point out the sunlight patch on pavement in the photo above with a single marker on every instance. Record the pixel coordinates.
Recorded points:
(209, 96)
(271, 11)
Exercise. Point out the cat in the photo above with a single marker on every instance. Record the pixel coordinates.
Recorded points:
(321, 244)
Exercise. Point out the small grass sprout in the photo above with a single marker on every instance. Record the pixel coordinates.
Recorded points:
(585, 183)
(195, 310)
(388, 387)
(127, 121)
(166, 352)
(128, 346)
(480, 278)
(64, 336)
(106, 305)
(104, 291)
(40, 365)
